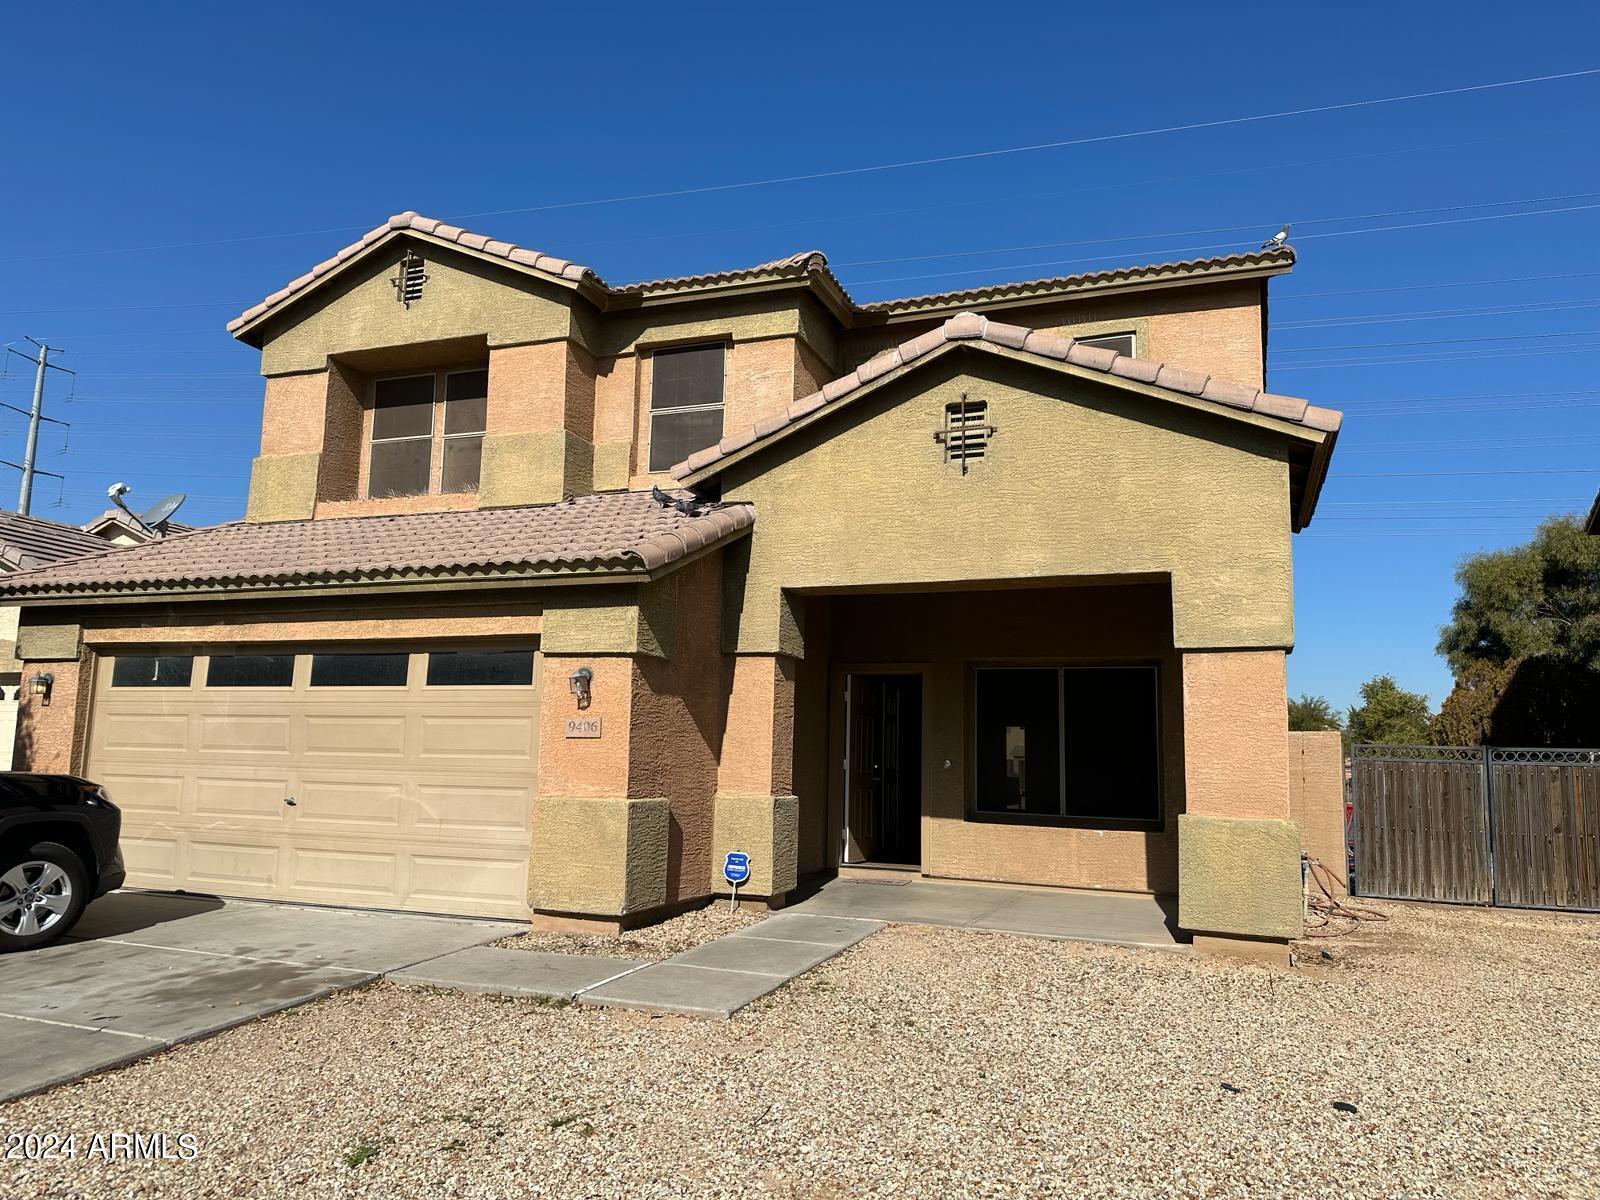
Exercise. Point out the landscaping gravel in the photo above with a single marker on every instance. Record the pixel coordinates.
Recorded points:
(1463, 1046)
(650, 944)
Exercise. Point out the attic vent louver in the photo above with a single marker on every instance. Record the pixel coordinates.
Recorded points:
(409, 279)
(966, 431)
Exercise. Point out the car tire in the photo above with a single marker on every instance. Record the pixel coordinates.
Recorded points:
(43, 890)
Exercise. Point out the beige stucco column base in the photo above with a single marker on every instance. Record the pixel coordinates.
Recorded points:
(1261, 952)
(1239, 878)
(603, 857)
(767, 828)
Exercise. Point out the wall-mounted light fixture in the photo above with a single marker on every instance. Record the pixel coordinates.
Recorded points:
(43, 682)
(579, 682)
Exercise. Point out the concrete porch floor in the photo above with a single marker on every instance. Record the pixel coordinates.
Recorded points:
(1114, 918)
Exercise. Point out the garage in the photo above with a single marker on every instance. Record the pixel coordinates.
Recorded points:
(385, 776)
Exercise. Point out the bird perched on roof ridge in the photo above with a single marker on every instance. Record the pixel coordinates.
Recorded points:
(1277, 240)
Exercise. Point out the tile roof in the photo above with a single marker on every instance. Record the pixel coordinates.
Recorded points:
(120, 519)
(1281, 257)
(27, 542)
(975, 329)
(1591, 523)
(612, 533)
(807, 265)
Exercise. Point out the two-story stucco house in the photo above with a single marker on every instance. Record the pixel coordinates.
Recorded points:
(551, 592)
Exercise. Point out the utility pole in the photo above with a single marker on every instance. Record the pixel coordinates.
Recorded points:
(35, 416)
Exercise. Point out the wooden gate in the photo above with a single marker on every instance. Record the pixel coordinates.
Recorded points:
(1477, 825)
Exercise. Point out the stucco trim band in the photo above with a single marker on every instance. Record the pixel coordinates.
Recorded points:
(767, 828)
(604, 856)
(1239, 876)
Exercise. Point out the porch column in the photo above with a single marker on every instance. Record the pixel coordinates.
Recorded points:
(756, 809)
(1238, 849)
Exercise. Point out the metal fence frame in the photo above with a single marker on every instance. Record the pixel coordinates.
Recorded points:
(1486, 758)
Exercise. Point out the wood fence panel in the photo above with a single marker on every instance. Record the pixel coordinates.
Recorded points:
(1547, 833)
(1422, 829)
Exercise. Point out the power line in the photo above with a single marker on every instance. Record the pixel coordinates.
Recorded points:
(1420, 287)
(1444, 474)
(1438, 358)
(1441, 314)
(1499, 337)
(1029, 149)
(1298, 221)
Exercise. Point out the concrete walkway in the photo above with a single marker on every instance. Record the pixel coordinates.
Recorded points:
(715, 979)
(1113, 918)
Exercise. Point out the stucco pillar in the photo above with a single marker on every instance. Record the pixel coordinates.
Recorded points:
(1238, 849)
(756, 809)
(598, 854)
(539, 445)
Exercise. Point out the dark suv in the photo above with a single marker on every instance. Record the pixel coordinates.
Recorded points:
(58, 851)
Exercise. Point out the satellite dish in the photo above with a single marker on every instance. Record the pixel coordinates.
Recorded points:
(162, 511)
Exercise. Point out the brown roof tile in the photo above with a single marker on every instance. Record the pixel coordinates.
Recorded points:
(977, 329)
(622, 531)
(27, 542)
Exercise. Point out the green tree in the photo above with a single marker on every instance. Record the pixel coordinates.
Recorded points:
(1388, 713)
(1539, 600)
(1312, 713)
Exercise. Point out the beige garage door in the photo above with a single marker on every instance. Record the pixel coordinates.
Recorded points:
(392, 777)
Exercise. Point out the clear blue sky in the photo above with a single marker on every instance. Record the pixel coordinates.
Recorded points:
(298, 126)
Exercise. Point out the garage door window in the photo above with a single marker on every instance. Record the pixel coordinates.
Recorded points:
(250, 670)
(152, 670)
(480, 668)
(359, 670)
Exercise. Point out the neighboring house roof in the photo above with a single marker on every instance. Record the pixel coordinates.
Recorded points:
(1592, 523)
(810, 267)
(620, 533)
(973, 330)
(27, 542)
(116, 519)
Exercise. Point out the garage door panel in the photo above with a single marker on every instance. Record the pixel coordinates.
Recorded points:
(237, 734)
(228, 866)
(356, 807)
(500, 738)
(468, 811)
(416, 798)
(365, 737)
(363, 877)
(492, 886)
(142, 732)
(151, 861)
(144, 796)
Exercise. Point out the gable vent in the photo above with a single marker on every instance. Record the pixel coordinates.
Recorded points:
(966, 431)
(409, 279)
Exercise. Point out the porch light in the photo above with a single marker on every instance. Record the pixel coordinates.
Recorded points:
(43, 681)
(578, 682)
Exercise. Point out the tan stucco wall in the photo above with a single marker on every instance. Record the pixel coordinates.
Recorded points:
(1082, 480)
(463, 297)
(1239, 877)
(1234, 731)
(599, 856)
(942, 635)
(1316, 797)
(49, 735)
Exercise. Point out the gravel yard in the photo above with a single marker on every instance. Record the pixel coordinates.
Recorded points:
(650, 944)
(922, 1063)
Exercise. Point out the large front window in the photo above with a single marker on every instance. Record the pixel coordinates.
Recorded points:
(427, 433)
(685, 403)
(1068, 745)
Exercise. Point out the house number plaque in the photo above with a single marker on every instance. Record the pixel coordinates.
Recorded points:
(583, 727)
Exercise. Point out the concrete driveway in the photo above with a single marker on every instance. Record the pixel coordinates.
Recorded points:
(146, 970)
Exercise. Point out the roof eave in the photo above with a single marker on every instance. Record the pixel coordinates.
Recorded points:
(249, 331)
(1261, 421)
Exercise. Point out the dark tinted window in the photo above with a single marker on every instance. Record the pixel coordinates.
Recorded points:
(686, 378)
(152, 670)
(463, 463)
(480, 668)
(676, 435)
(465, 401)
(250, 670)
(1075, 743)
(1122, 343)
(359, 670)
(402, 408)
(400, 468)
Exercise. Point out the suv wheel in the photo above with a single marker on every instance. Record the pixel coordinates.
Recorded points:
(42, 892)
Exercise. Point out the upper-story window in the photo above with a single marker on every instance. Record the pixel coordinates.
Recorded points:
(427, 433)
(1122, 343)
(685, 403)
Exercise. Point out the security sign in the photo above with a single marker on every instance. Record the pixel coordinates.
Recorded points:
(736, 867)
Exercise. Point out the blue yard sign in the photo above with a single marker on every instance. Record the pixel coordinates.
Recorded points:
(736, 867)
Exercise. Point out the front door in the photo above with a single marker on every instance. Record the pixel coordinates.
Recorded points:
(883, 769)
